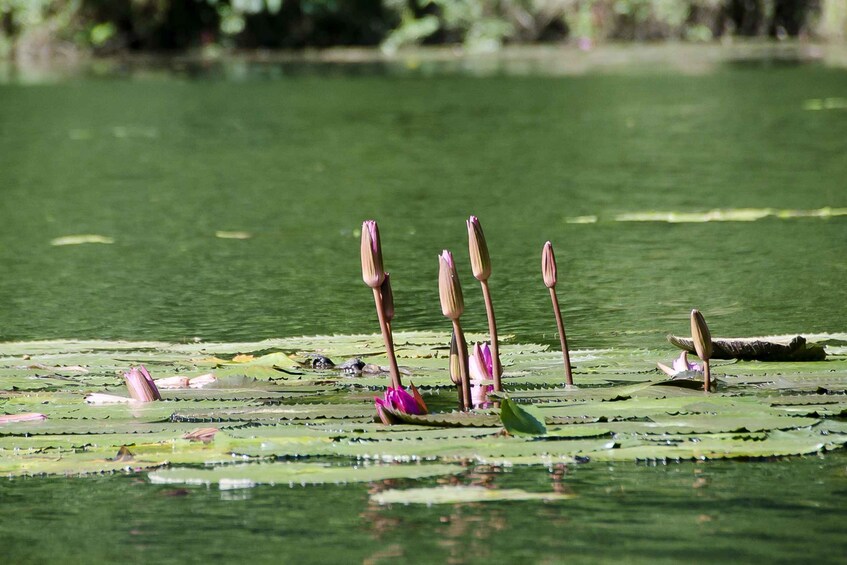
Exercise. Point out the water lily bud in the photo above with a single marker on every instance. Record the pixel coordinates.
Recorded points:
(372, 269)
(455, 361)
(548, 265)
(387, 298)
(701, 336)
(140, 385)
(480, 260)
(449, 289)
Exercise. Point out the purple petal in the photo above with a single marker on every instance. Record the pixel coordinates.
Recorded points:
(486, 357)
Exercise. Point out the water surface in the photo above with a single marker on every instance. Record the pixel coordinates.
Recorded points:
(161, 161)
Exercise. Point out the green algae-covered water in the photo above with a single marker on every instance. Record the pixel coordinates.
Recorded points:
(232, 196)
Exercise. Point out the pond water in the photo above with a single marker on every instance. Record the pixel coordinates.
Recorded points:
(161, 161)
(233, 195)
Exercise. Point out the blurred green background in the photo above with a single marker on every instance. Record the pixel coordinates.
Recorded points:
(34, 28)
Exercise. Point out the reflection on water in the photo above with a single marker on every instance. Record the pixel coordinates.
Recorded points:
(782, 510)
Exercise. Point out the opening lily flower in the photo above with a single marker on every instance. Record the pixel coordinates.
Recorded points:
(482, 374)
(398, 400)
(680, 365)
(141, 386)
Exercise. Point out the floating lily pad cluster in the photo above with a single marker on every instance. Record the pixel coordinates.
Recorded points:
(270, 417)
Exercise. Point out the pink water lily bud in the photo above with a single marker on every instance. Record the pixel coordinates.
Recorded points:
(479, 362)
(548, 265)
(387, 298)
(481, 371)
(701, 336)
(449, 288)
(478, 248)
(372, 270)
(141, 386)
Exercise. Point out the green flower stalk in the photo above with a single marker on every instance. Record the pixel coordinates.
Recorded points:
(702, 338)
(481, 265)
(550, 274)
(452, 306)
(375, 277)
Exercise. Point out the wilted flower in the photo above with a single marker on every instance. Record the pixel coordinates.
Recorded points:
(173, 382)
(25, 417)
(449, 289)
(481, 372)
(372, 269)
(480, 259)
(680, 365)
(202, 380)
(399, 400)
(701, 336)
(141, 386)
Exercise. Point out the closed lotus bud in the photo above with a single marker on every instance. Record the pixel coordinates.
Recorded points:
(387, 298)
(701, 336)
(372, 270)
(480, 260)
(548, 265)
(449, 289)
(455, 361)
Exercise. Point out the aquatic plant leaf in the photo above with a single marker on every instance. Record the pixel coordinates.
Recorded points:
(450, 419)
(461, 494)
(776, 444)
(245, 476)
(80, 239)
(520, 420)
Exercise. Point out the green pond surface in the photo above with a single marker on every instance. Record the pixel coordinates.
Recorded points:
(232, 194)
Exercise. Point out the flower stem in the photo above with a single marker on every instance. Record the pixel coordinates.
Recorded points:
(463, 363)
(497, 370)
(707, 376)
(389, 341)
(562, 337)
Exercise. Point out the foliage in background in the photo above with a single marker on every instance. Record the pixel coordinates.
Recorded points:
(46, 27)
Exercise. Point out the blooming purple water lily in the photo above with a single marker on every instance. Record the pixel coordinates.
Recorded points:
(680, 365)
(397, 399)
(481, 368)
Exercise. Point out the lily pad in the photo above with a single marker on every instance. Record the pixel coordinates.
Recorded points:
(461, 495)
(245, 476)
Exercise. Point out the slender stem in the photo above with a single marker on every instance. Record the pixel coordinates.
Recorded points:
(497, 370)
(707, 376)
(463, 364)
(389, 341)
(565, 353)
